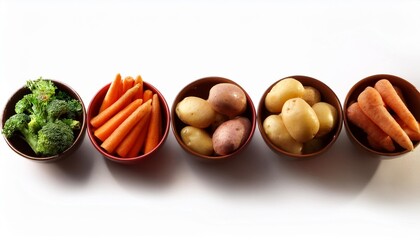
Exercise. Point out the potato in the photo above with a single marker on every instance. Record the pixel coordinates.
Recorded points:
(327, 116)
(230, 135)
(195, 111)
(281, 92)
(277, 133)
(219, 119)
(197, 140)
(311, 95)
(227, 99)
(300, 119)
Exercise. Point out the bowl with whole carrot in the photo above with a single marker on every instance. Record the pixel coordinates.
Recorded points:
(382, 114)
(128, 120)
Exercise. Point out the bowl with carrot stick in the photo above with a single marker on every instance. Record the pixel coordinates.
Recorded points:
(128, 120)
(382, 114)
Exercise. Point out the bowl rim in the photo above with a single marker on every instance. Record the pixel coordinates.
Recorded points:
(128, 160)
(280, 151)
(367, 81)
(78, 139)
(213, 158)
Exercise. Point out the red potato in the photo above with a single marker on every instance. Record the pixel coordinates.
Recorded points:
(227, 99)
(230, 135)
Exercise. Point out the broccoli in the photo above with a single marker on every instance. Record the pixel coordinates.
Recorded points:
(45, 118)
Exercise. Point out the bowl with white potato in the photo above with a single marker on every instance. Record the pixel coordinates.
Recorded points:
(213, 118)
(382, 114)
(299, 117)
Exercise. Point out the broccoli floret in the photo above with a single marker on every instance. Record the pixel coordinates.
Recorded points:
(42, 89)
(54, 138)
(73, 124)
(18, 123)
(24, 105)
(56, 108)
(74, 108)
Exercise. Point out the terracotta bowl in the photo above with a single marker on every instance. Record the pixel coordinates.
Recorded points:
(411, 96)
(93, 110)
(327, 95)
(200, 88)
(18, 145)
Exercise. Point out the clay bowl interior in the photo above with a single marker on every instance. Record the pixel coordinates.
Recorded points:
(18, 145)
(93, 110)
(327, 95)
(411, 96)
(200, 88)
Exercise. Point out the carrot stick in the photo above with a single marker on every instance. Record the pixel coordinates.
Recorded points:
(138, 144)
(155, 126)
(147, 94)
(372, 105)
(112, 94)
(109, 126)
(377, 138)
(414, 136)
(128, 83)
(128, 142)
(111, 143)
(139, 80)
(391, 98)
(110, 111)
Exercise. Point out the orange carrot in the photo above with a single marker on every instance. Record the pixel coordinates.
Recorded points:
(414, 136)
(377, 138)
(139, 80)
(155, 126)
(109, 126)
(138, 144)
(391, 98)
(129, 141)
(110, 111)
(112, 94)
(147, 94)
(111, 143)
(372, 105)
(128, 83)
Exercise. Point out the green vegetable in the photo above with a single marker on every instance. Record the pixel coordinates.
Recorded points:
(45, 118)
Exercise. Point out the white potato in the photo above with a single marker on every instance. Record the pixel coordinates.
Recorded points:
(281, 92)
(277, 133)
(327, 116)
(197, 140)
(300, 119)
(196, 112)
(311, 95)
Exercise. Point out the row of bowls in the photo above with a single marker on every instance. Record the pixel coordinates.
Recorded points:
(200, 88)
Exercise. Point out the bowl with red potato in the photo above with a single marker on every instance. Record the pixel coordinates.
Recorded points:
(128, 120)
(299, 116)
(213, 118)
(382, 115)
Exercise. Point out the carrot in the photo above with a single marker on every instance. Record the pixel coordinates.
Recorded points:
(377, 138)
(112, 94)
(110, 111)
(131, 138)
(147, 94)
(138, 144)
(372, 105)
(155, 126)
(127, 83)
(109, 126)
(111, 143)
(391, 98)
(139, 80)
(414, 136)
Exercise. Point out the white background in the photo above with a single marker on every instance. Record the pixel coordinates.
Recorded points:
(343, 194)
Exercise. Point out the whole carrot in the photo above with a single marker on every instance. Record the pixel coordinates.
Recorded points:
(129, 141)
(127, 83)
(139, 80)
(371, 103)
(414, 136)
(111, 143)
(139, 143)
(377, 138)
(109, 126)
(110, 111)
(155, 126)
(391, 98)
(113, 93)
(147, 94)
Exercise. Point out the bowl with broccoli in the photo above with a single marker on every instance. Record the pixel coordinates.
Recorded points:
(44, 121)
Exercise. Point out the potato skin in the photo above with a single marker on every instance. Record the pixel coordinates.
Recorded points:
(311, 95)
(197, 140)
(230, 135)
(195, 111)
(300, 119)
(277, 133)
(227, 99)
(281, 92)
(327, 116)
